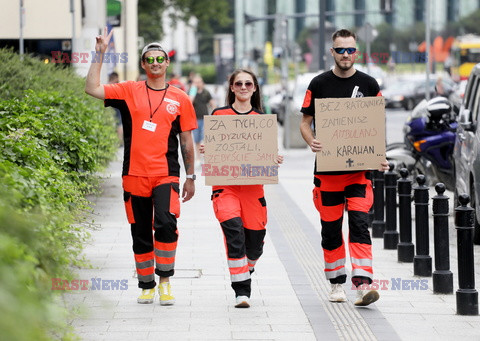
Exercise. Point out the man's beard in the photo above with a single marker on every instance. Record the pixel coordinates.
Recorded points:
(344, 68)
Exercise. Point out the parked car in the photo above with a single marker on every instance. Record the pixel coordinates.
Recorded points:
(295, 96)
(400, 94)
(407, 93)
(457, 95)
(375, 71)
(299, 90)
(275, 102)
(467, 147)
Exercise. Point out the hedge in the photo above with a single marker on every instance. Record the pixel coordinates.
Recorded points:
(54, 141)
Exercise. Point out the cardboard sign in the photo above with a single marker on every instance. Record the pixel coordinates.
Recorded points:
(352, 133)
(240, 150)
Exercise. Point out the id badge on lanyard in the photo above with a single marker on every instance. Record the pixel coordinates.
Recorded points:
(150, 126)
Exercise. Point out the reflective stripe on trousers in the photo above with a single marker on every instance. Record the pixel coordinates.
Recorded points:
(242, 213)
(330, 195)
(154, 242)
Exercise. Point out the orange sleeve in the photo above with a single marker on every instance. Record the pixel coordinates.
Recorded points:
(117, 90)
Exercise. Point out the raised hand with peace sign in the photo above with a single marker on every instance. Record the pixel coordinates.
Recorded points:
(92, 84)
(102, 41)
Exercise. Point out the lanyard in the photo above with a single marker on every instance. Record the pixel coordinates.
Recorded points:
(150, 103)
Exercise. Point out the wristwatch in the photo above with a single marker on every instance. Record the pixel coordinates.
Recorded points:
(192, 176)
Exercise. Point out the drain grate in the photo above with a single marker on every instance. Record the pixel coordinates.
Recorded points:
(181, 273)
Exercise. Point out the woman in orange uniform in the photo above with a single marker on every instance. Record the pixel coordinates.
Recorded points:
(241, 209)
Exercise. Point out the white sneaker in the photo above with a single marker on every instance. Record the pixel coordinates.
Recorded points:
(242, 302)
(365, 298)
(337, 294)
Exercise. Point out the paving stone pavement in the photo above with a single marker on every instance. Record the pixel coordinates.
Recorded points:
(288, 287)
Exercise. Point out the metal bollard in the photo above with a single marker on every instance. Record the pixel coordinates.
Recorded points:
(378, 223)
(390, 236)
(405, 249)
(422, 262)
(467, 296)
(442, 276)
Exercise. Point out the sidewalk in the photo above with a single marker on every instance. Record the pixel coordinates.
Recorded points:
(289, 290)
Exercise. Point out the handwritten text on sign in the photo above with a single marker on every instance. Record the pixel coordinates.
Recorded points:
(240, 150)
(352, 133)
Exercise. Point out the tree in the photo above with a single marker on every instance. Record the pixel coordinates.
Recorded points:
(212, 16)
(467, 24)
(381, 44)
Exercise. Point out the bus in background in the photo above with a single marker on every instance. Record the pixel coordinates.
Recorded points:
(465, 54)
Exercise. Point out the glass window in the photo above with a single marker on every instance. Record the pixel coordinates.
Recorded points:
(468, 91)
(475, 101)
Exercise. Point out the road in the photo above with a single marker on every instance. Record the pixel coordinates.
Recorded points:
(395, 121)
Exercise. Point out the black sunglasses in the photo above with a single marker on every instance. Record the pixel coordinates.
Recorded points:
(150, 60)
(341, 50)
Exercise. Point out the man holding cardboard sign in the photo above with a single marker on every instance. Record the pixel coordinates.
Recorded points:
(341, 170)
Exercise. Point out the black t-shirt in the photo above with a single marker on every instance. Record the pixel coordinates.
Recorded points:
(328, 85)
(200, 103)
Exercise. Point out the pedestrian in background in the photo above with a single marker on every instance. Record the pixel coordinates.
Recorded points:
(155, 114)
(175, 81)
(241, 209)
(203, 103)
(191, 88)
(335, 189)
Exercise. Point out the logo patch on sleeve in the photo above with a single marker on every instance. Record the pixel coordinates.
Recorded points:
(307, 100)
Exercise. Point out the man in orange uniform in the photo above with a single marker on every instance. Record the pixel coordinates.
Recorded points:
(153, 114)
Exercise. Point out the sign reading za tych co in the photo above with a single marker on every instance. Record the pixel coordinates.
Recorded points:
(240, 150)
(352, 133)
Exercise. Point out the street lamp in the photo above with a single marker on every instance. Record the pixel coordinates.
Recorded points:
(22, 16)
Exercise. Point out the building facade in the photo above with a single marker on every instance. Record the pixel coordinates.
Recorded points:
(64, 31)
(404, 13)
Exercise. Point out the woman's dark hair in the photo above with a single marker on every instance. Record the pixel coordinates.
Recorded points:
(255, 100)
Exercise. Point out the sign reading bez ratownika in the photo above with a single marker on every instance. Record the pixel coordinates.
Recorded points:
(240, 150)
(352, 133)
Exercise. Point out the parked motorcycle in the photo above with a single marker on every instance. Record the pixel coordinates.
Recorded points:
(429, 139)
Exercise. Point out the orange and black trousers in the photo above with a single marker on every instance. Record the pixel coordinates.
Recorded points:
(330, 195)
(153, 206)
(242, 213)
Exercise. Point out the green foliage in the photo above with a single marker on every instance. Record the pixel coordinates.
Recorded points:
(382, 43)
(212, 17)
(467, 24)
(149, 19)
(207, 71)
(28, 311)
(54, 140)
(17, 76)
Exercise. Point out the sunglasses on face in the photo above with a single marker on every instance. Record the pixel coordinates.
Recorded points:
(239, 85)
(151, 60)
(341, 50)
